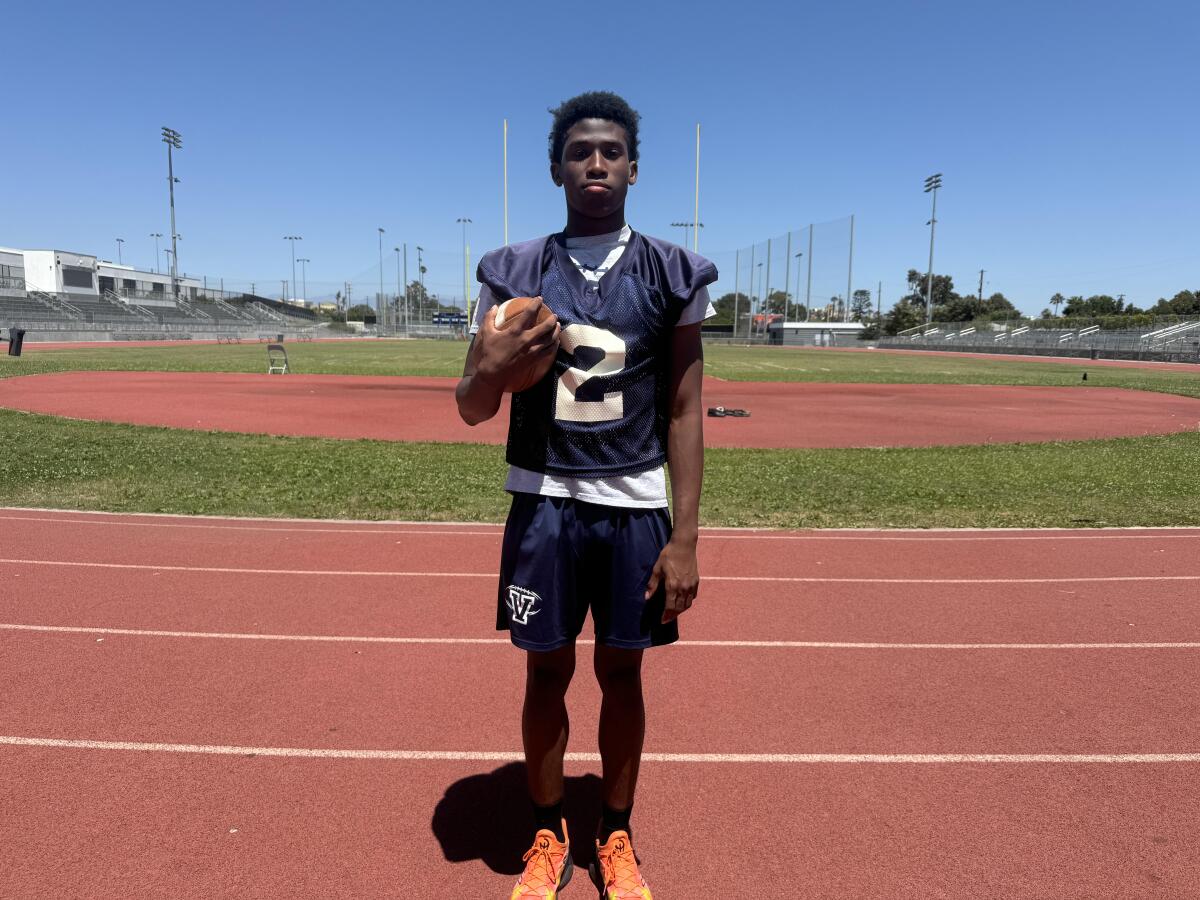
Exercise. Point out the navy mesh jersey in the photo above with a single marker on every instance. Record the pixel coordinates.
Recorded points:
(602, 409)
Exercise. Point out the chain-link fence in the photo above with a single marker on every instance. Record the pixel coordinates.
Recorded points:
(800, 276)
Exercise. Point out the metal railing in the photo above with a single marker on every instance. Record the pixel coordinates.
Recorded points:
(56, 302)
(122, 304)
(1175, 339)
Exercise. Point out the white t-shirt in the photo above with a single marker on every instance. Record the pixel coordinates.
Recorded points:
(594, 256)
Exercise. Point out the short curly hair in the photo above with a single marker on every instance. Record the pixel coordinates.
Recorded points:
(593, 105)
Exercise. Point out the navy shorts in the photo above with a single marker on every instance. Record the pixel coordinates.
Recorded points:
(562, 557)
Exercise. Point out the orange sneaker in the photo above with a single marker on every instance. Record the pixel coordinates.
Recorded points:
(547, 867)
(616, 871)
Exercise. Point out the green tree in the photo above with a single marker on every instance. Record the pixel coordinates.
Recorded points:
(1185, 303)
(725, 305)
(904, 315)
(1096, 305)
(943, 289)
(998, 306)
(1056, 301)
(361, 312)
(775, 302)
(861, 306)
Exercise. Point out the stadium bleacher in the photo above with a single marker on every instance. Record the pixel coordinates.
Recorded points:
(113, 315)
(1169, 338)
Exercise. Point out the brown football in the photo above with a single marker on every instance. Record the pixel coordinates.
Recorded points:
(525, 375)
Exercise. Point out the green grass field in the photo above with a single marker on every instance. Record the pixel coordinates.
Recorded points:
(69, 464)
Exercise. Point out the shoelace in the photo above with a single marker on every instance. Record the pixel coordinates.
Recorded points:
(623, 866)
(543, 866)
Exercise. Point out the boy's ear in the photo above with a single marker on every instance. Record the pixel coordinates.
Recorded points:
(554, 176)
(633, 172)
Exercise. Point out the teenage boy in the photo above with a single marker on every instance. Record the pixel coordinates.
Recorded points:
(589, 526)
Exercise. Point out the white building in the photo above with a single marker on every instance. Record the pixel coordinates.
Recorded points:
(85, 276)
(12, 273)
(814, 334)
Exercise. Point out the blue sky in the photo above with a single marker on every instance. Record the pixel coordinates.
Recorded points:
(1067, 133)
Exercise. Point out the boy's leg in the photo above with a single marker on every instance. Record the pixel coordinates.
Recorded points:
(544, 723)
(622, 723)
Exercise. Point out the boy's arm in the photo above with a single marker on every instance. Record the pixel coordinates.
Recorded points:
(677, 568)
(493, 351)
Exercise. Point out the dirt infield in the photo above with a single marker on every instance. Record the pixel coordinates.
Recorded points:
(783, 415)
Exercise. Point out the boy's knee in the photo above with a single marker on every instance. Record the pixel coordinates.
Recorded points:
(618, 674)
(550, 671)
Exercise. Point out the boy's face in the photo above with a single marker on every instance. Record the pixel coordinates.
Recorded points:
(595, 170)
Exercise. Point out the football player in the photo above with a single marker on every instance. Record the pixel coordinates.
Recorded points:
(589, 527)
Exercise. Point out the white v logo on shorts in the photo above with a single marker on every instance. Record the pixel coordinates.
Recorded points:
(522, 604)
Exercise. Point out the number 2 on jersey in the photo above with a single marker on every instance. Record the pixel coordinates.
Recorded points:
(567, 407)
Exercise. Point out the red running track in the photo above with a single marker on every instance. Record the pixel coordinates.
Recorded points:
(966, 681)
(783, 414)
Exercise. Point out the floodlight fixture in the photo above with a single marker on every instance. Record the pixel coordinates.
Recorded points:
(932, 183)
(293, 238)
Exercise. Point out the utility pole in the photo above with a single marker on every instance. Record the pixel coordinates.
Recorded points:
(406, 310)
(808, 288)
(981, 286)
(932, 183)
(174, 141)
(156, 236)
(879, 310)
(120, 241)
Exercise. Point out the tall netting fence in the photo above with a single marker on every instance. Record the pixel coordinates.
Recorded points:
(803, 275)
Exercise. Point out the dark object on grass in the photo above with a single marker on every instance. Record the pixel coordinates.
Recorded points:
(720, 412)
(16, 338)
(1085, 376)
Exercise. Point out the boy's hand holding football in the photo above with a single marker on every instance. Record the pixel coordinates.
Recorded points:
(508, 356)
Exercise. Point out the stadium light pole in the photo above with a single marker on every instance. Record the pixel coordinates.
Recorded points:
(759, 292)
(797, 257)
(157, 252)
(174, 141)
(380, 310)
(399, 282)
(466, 297)
(120, 241)
(932, 183)
(304, 278)
(685, 226)
(808, 285)
(293, 238)
(407, 305)
(420, 280)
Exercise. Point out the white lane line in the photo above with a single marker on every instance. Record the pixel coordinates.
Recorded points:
(516, 755)
(901, 535)
(425, 532)
(504, 642)
(741, 578)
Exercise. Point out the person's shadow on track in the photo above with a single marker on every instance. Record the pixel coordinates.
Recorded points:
(487, 817)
